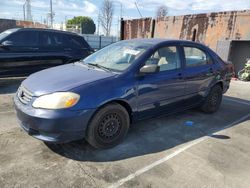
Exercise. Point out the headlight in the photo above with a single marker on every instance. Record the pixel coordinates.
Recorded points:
(58, 100)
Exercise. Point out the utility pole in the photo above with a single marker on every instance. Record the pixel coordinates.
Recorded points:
(24, 17)
(51, 14)
(136, 4)
(28, 10)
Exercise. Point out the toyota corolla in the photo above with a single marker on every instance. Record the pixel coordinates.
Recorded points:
(99, 97)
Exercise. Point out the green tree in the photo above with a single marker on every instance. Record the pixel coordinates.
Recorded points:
(86, 23)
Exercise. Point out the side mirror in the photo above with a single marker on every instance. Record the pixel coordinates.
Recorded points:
(6, 44)
(147, 69)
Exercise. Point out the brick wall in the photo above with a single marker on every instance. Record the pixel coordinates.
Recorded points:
(205, 28)
(8, 24)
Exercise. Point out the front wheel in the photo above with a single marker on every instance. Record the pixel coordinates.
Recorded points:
(108, 127)
(213, 100)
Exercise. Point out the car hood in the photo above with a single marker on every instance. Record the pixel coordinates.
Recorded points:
(63, 78)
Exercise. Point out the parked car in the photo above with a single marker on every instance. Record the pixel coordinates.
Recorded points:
(99, 97)
(27, 50)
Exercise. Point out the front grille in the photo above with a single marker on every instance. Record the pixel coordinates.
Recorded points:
(24, 95)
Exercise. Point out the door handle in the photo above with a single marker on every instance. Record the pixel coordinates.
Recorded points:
(67, 49)
(210, 72)
(33, 48)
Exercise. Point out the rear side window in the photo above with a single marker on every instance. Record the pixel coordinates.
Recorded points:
(196, 57)
(76, 42)
(24, 38)
(52, 39)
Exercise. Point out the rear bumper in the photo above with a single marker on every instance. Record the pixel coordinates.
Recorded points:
(57, 126)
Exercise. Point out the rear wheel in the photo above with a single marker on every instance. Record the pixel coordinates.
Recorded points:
(108, 127)
(213, 100)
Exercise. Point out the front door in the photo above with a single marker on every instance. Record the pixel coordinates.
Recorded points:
(161, 92)
(19, 56)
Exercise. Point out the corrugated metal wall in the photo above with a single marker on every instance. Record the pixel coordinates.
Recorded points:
(205, 28)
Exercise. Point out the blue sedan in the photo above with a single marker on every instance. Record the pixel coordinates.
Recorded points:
(99, 97)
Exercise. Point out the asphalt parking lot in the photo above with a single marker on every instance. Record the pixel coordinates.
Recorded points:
(161, 152)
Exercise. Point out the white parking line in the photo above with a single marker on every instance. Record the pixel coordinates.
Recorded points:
(238, 101)
(166, 158)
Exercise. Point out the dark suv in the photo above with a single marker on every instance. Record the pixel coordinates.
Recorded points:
(27, 50)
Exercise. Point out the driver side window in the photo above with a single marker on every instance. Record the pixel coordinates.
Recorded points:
(167, 58)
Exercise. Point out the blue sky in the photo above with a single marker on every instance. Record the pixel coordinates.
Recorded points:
(66, 9)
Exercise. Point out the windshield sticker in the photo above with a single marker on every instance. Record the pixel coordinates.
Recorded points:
(132, 52)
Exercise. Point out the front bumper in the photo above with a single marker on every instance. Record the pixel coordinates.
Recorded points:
(57, 126)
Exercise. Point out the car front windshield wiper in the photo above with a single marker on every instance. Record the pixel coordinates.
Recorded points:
(100, 66)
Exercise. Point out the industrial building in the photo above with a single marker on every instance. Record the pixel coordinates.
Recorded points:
(228, 33)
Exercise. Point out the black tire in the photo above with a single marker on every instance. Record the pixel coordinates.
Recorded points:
(213, 100)
(108, 127)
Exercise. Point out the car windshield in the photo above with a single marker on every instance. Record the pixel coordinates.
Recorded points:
(6, 33)
(117, 57)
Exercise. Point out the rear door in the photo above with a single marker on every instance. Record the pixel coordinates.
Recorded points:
(19, 58)
(76, 47)
(162, 92)
(51, 49)
(199, 71)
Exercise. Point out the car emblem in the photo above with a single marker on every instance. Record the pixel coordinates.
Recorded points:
(22, 94)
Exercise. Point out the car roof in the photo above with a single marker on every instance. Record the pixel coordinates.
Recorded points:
(156, 41)
(47, 30)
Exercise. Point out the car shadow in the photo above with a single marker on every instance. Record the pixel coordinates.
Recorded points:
(158, 134)
(10, 85)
